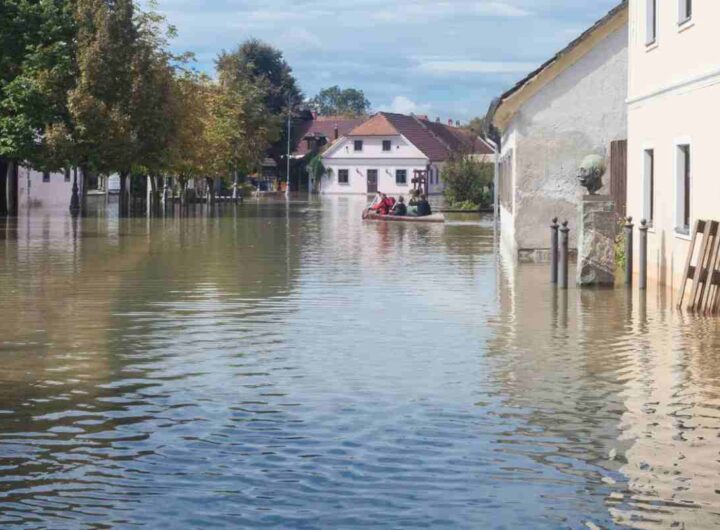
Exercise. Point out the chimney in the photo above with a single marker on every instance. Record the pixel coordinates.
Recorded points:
(450, 122)
(336, 132)
(457, 123)
(437, 120)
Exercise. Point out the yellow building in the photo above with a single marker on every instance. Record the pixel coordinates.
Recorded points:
(673, 116)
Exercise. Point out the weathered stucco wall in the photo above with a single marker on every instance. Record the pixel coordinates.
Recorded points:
(578, 113)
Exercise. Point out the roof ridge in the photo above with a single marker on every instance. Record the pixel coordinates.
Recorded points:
(435, 136)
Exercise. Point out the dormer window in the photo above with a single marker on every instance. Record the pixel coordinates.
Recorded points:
(358, 145)
(387, 145)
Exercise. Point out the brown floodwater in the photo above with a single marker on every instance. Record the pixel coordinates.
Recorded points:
(289, 366)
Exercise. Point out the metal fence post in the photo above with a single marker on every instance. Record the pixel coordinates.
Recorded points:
(554, 251)
(643, 255)
(629, 226)
(564, 255)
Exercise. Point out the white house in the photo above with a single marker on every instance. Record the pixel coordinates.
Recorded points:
(388, 150)
(570, 107)
(44, 188)
(673, 113)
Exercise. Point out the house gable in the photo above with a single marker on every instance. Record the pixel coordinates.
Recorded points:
(503, 110)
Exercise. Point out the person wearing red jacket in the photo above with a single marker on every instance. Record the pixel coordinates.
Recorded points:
(384, 206)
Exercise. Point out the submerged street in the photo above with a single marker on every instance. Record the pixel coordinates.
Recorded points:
(285, 366)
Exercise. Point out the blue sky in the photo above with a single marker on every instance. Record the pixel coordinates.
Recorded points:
(441, 58)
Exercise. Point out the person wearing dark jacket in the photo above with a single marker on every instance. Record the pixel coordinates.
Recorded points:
(399, 209)
(423, 207)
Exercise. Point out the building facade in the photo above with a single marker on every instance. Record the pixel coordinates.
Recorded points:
(572, 106)
(673, 111)
(45, 189)
(386, 152)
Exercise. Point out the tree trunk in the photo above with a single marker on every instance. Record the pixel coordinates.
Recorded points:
(211, 190)
(123, 196)
(11, 188)
(3, 186)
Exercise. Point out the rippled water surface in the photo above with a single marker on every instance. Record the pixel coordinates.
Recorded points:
(292, 367)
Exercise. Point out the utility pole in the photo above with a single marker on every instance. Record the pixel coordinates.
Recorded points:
(287, 169)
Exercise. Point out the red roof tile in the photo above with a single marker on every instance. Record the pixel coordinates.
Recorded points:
(322, 126)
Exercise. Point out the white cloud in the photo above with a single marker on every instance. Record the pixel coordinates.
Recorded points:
(441, 67)
(404, 105)
(414, 11)
(300, 39)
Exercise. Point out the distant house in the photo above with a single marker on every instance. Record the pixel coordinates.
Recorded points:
(388, 150)
(44, 188)
(570, 107)
(673, 113)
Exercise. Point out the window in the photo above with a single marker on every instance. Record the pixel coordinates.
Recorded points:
(358, 145)
(649, 210)
(685, 11)
(387, 145)
(400, 176)
(652, 18)
(343, 176)
(684, 183)
(46, 176)
(67, 175)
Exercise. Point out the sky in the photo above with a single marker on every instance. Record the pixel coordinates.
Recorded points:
(446, 59)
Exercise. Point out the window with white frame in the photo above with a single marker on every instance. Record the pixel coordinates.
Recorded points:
(343, 176)
(651, 22)
(387, 145)
(683, 189)
(649, 185)
(684, 11)
(358, 145)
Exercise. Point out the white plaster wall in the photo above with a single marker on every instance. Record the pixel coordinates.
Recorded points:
(403, 155)
(372, 149)
(357, 170)
(684, 116)
(674, 90)
(578, 113)
(680, 51)
(33, 192)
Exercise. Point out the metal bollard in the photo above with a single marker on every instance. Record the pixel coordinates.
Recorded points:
(629, 251)
(564, 254)
(554, 251)
(643, 255)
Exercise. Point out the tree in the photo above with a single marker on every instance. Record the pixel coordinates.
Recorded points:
(335, 101)
(257, 63)
(36, 70)
(468, 180)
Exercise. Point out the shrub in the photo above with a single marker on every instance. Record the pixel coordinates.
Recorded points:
(468, 180)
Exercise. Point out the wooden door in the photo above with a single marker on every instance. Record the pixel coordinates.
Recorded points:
(618, 175)
(372, 181)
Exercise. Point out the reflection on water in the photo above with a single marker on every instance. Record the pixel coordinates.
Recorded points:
(274, 366)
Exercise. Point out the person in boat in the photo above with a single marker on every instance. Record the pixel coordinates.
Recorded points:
(399, 209)
(423, 207)
(412, 203)
(384, 206)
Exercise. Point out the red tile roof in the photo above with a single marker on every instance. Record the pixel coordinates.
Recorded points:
(436, 140)
(323, 126)
(378, 125)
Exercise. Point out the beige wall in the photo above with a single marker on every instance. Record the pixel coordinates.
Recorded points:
(674, 90)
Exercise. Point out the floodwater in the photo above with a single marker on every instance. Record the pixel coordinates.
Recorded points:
(274, 366)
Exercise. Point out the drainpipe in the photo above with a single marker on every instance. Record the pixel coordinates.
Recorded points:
(496, 179)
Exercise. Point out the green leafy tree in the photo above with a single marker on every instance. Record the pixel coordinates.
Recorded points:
(468, 181)
(335, 101)
(36, 71)
(256, 63)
